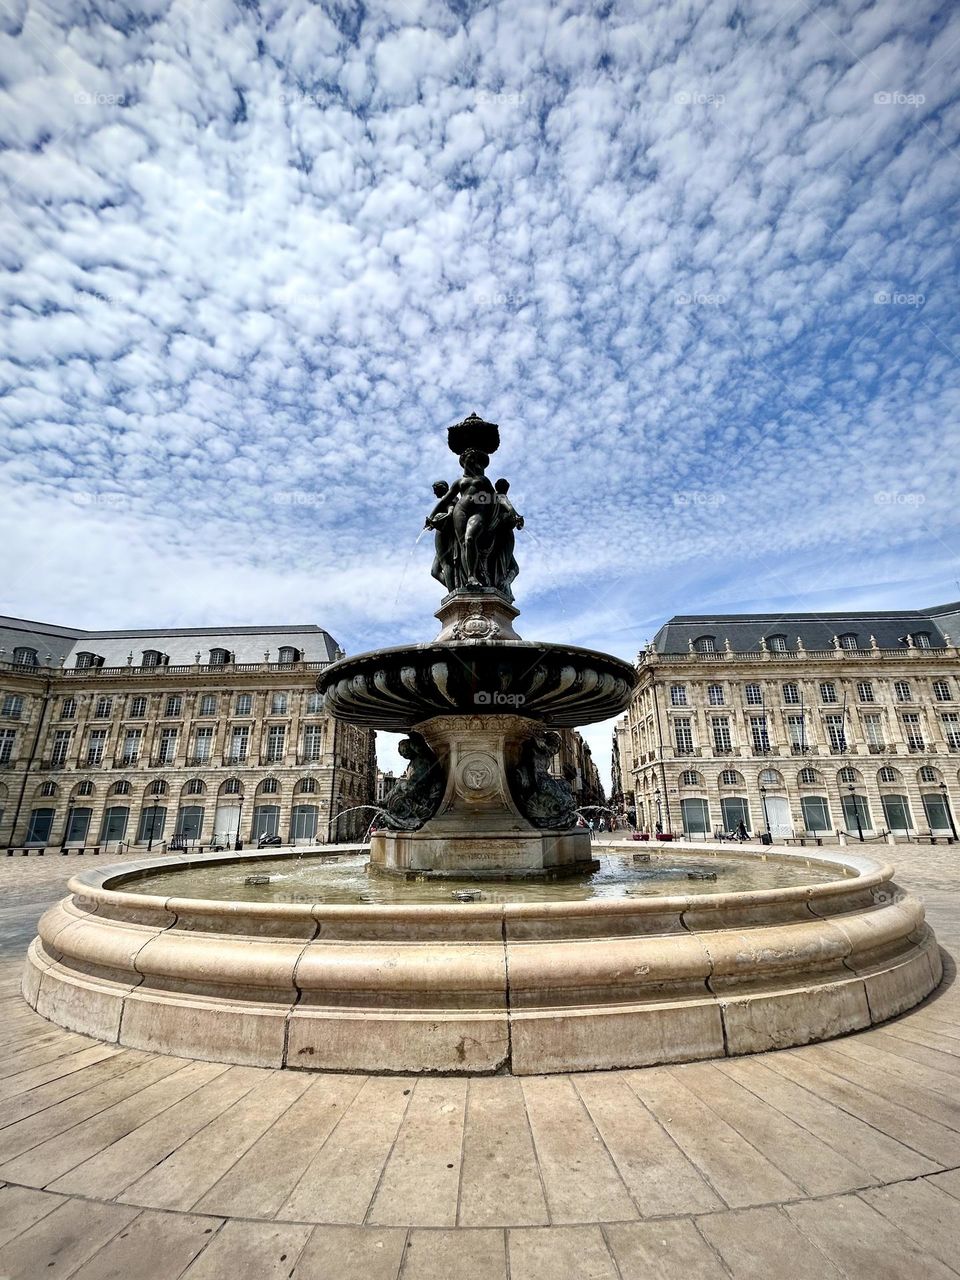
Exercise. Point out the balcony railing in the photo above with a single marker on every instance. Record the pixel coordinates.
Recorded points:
(876, 748)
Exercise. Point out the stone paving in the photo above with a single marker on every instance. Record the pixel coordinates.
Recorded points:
(840, 1159)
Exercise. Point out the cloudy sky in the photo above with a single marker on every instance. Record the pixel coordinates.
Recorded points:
(697, 259)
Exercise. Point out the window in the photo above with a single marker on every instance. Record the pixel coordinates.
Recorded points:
(130, 751)
(314, 704)
(722, 743)
(754, 695)
(809, 777)
(152, 821)
(922, 639)
(865, 690)
(683, 735)
(84, 788)
(797, 730)
(715, 695)
(730, 778)
(734, 810)
(678, 695)
(202, 743)
(84, 660)
(231, 787)
(690, 778)
(848, 774)
(941, 691)
(849, 641)
(12, 706)
(759, 735)
(303, 822)
(168, 746)
(41, 820)
(269, 786)
(928, 774)
(48, 789)
(275, 741)
(138, 707)
(152, 658)
(828, 691)
(25, 657)
(816, 815)
(307, 784)
(219, 657)
(239, 743)
(770, 778)
(695, 814)
(103, 708)
(61, 747)
(288, 655)
(913, 731)
(778, 643)
(244, 704)
(951, 729)
(7, 739)
(312, 739)
(121, 788)
(158, 788)
(278, 704)
(705, 644)
(902, 690)
(189, 822)
(194, 787)
(888, 774)
(896, 812)
(174, 705)
(873, 728)
(68, 709)
(266, 821)
(791, 694)
(114, 823)
(95, 744)
(208, 704)
(856, 813)
(935, 808)
(836, 733)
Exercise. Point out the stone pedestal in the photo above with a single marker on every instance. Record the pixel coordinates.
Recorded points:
(481, 616)
(478, 829)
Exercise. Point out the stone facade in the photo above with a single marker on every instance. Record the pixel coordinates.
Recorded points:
(809, 726)
(110, 738)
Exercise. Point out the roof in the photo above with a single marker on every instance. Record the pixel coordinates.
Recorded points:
(180, 644)
(889, 627)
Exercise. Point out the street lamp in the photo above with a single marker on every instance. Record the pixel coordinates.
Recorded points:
(766, 816)
(946, 805)
(856, 810)
(153, 823)
(236, 844)
(656, 796)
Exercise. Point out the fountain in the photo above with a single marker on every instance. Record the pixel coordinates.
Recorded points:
(483, 935)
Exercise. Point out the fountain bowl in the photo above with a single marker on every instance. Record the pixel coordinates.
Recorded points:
(527, 987)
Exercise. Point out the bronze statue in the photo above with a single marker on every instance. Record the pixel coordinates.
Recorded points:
(475, 523)
(544, 800)
(416, 796)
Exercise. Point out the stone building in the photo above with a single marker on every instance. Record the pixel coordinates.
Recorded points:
(576, 757)
(816, 726)
(622, 770)
(206, 734)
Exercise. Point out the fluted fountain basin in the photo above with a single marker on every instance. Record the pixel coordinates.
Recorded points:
(535, 984)
(560, 685)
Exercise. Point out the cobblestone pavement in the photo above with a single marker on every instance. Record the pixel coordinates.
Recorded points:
(840, 1159)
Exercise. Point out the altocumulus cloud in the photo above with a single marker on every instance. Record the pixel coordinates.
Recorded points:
(697, 259)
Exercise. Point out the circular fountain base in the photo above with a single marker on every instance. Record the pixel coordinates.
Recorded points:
(523, 986)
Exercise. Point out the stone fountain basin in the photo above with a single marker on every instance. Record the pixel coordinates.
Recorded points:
(524, 987)
(562, 685)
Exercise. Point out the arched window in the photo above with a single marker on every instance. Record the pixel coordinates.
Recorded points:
(791, 694)
(777, 643)
(288, 655)
(269, 786)
(23, 657)
(121, 788)
(808, 776)
(928, 774)
(690, 778)
(848, 775)
(849, 640)
(770, 778)
(84, 788)
(231, 787)
(219, 657)
(158, 788)
(731, 778)
(68, 709)
(48, 789)
(888, 774)
(705, 644)
(307, 784)
(194, 787)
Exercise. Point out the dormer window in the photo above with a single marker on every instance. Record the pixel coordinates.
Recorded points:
(219, 657)
(705, 644)
(849, 640)
(922, 639)
(778, 644)
(84, 660)
(288, 655)
(154, 658)
(25, 657)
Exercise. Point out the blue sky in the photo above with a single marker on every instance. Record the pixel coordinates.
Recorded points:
(698, 260)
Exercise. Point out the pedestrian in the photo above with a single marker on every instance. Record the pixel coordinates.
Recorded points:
(742, 831)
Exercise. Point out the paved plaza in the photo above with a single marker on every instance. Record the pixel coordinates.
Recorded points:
(841, 1159)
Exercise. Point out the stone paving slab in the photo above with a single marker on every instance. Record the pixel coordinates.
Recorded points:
(833, 1160)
